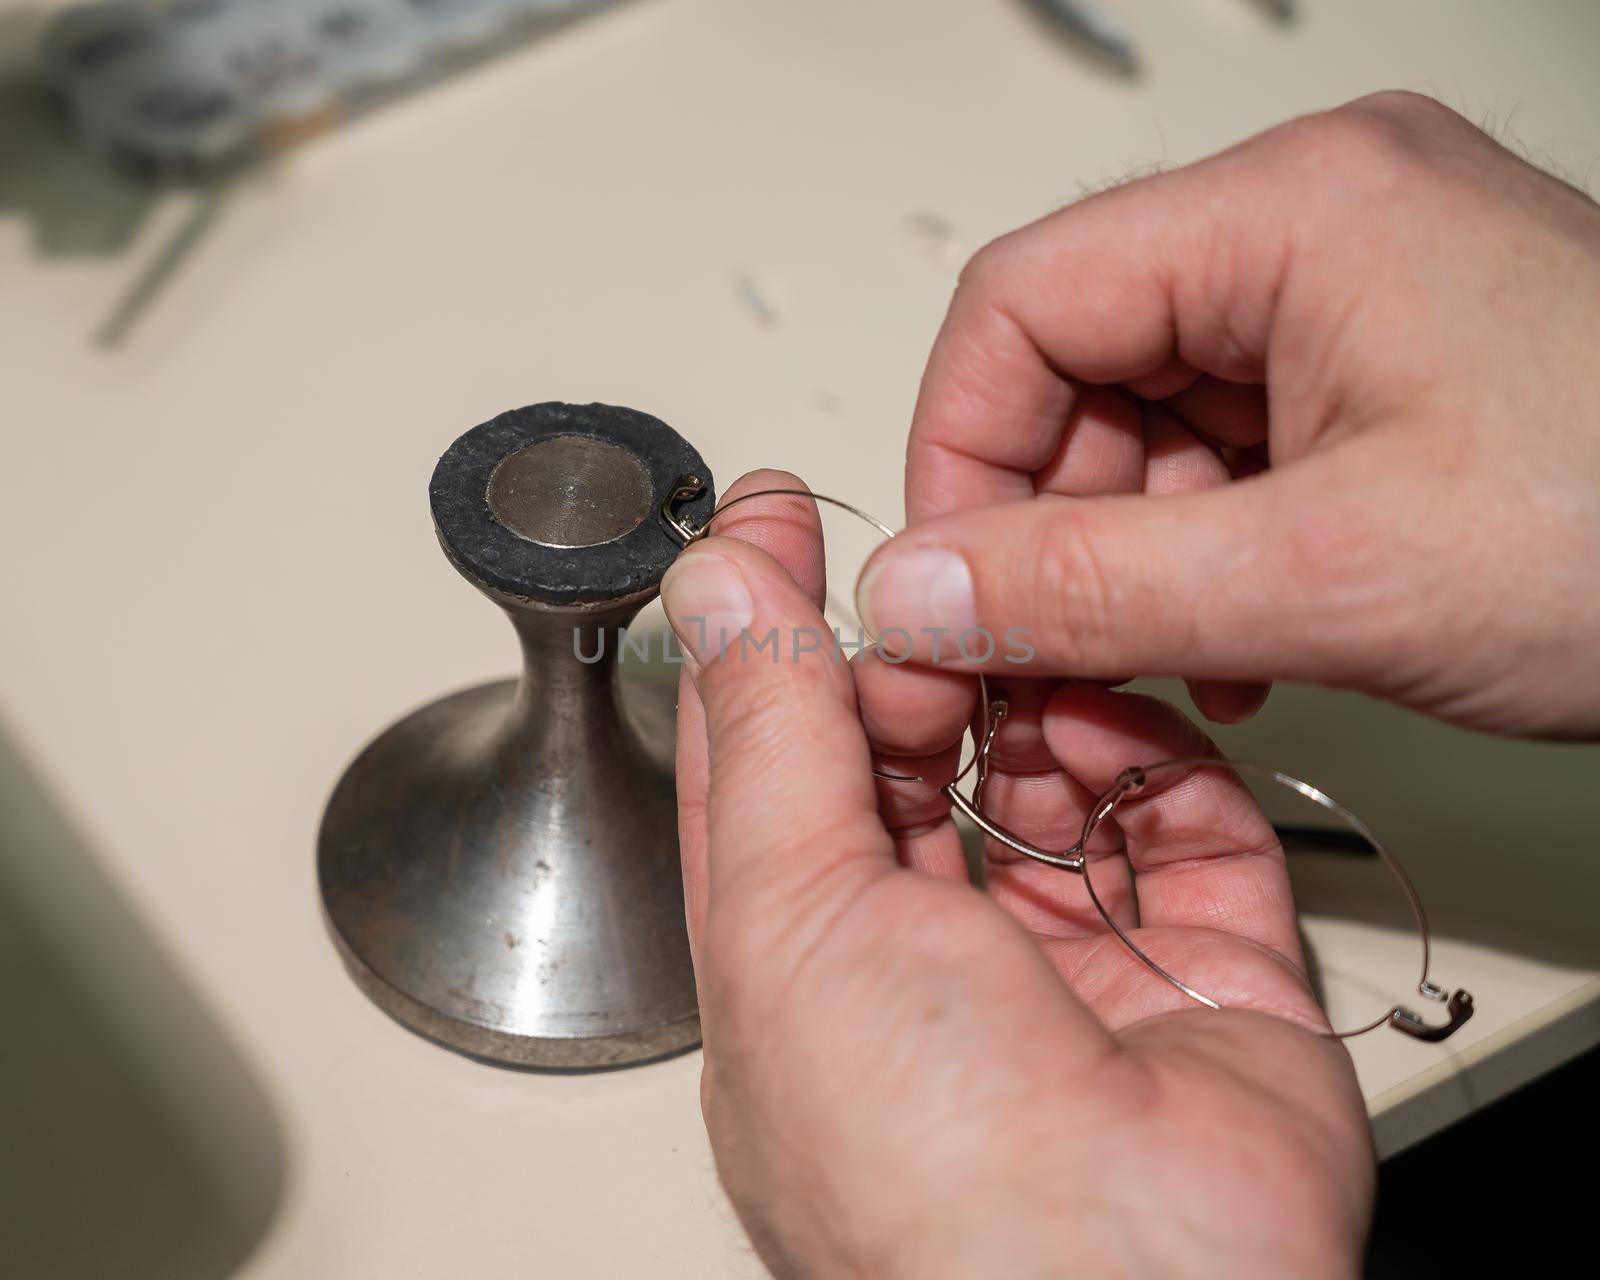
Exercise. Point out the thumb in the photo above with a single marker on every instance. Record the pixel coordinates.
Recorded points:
(1280, 576)
(791, 816)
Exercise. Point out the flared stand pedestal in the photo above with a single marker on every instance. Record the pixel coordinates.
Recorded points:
(499, 869)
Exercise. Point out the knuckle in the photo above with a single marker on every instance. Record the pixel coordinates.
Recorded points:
(986, 271)
(1332, 543)
(1374, 141)
(1405, 109)
(769, 911)
(764, 478)
(780, 521)
(980, 270)
(727, 945)
(1074, 588)
(692, 808)
(749, 976)
(708, 1089)
(1349, 144)
(737, 946)
(750, 715)
(1340, 561)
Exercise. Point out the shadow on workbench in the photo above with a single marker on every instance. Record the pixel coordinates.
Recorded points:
(1496, 1185)
(136, 1138)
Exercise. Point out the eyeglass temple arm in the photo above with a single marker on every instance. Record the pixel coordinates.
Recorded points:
(1406, 1021)
(1459, 1010)
(683, 489)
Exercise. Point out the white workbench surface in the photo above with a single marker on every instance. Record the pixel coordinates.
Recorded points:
(218, 577)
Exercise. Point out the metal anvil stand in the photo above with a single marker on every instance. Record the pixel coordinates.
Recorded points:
(500, 868)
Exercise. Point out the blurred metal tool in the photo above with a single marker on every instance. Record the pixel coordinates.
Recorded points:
(185, 89)
(1092, 31)
(131, 307)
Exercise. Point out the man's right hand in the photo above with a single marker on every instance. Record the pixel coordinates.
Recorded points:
(1399, 315)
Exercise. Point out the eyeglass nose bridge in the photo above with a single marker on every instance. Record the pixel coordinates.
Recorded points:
(1068, 860)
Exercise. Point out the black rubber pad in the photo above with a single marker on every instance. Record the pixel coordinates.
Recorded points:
(486, 550)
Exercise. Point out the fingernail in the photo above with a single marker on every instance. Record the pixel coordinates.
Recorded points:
(908, 596)
(707, 604)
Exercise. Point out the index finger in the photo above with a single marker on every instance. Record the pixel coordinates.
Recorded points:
(1144, 284)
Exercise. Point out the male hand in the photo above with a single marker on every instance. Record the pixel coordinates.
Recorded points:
(906, 1077)
(1397, 314)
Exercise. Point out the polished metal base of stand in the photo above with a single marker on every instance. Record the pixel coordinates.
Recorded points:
(481, 898)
